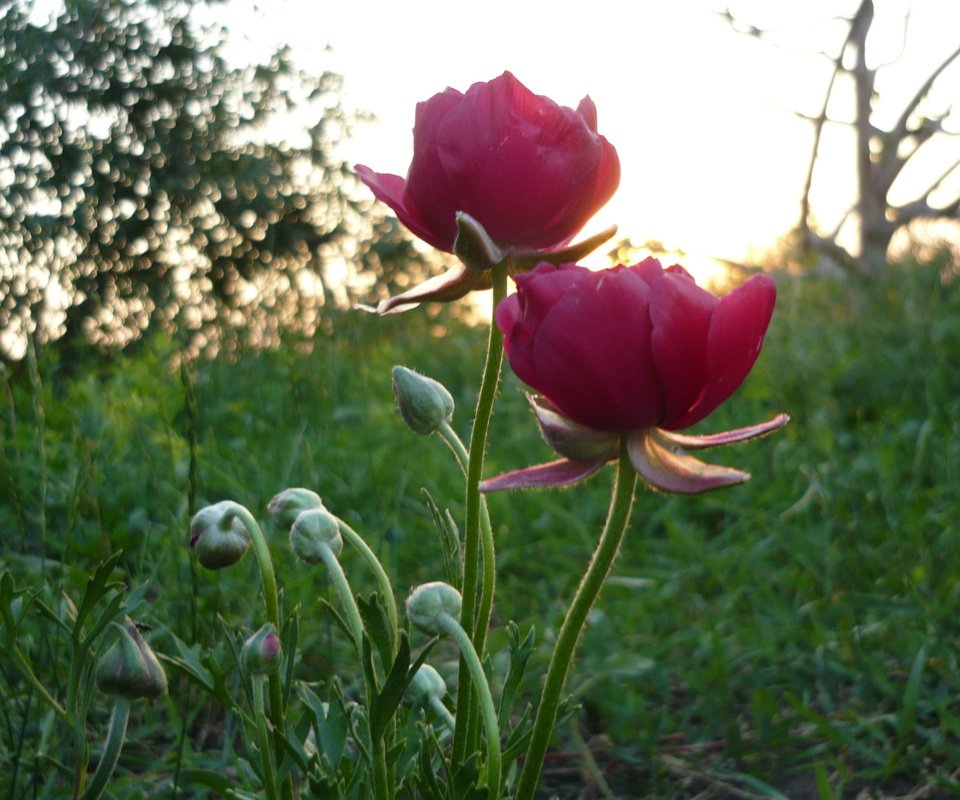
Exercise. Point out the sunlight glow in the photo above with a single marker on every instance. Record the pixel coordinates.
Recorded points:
(704, 118)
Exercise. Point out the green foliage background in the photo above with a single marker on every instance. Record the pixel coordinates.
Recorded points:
(763, 636)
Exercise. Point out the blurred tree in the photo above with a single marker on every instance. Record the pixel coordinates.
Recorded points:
(882, 152)
(145, 179)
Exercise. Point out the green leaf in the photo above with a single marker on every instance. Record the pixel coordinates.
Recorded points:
(376, 624)
(97, 588)
(330, 722)
(449, 541)
(401, 673)
(520, 652)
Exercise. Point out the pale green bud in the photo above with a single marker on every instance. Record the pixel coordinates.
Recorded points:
(312, 531)
(290, 502)
(427, 683)
(424, 403)
(130, 668)
(217, 535)
(261, 653)
(428, 601)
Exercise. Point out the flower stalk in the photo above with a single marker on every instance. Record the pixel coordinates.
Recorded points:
(116, 735)
(271, 600)
(590, 586)
(476, 539)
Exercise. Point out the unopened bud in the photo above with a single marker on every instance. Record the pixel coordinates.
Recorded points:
(424, 403)
(130, 668)
(427, 683)
(218, 536)
(261, 653)
(290, 502)
(313, 531)
(428, 601)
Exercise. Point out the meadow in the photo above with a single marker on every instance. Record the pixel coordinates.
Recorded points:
(797, 636)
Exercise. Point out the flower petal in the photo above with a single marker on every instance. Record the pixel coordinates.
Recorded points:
(570, 439)
(674, 472)
(428, 194)
(680, 313)
(531, 171)
(453, 284)
(390, 189)
(688, 442)
(544, 476)
(737, 328)
(592, 353)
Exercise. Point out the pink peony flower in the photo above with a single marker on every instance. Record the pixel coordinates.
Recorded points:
(638, 352)
(527, 173)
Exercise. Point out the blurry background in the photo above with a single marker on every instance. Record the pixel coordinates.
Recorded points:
(189, 166)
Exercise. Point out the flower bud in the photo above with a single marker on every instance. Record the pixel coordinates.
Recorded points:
(424, 403)
(261, 653)
(312, 531)
(427, 683)
(290, 502)
(218, 537)
(428, 601)
(130, 668)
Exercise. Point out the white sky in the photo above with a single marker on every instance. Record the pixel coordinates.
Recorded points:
(713, 157)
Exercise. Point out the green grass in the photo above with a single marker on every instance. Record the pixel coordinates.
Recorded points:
(797, 634)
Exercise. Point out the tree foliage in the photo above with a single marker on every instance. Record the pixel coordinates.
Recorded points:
(144, 178)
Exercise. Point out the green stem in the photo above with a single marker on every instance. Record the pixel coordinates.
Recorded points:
(383, 581)
(381, 788)
(27, 672)
(116, 734)
(354, 620)
(442, 711)
(486, 538)
(488, 712)
(271, 599)
(266, 753)
(590, 585)
(472, 621)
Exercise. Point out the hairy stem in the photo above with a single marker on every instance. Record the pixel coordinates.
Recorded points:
(590, 586)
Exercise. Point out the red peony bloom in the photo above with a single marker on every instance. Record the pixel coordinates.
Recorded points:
(636, 351)
(529, 171)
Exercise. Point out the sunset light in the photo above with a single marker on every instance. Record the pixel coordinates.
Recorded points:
(705, 117)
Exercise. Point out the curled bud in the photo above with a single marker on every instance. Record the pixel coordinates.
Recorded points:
(218, 537)
(313, 531)
(290, 502)
(130, 668)
(428, 601)
(427, 684)
(424, 403)
(261, 653)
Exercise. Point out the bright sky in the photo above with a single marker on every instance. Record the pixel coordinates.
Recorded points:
(713, 157)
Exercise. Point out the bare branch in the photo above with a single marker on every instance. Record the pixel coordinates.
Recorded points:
(921, 207)
(899, 130)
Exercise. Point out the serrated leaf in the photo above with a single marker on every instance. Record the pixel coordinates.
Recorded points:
(97, 588)
(520, 652)
(449, 541)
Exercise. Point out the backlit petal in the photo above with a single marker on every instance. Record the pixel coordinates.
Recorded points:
(675, 472)
(737, 328)
(544, 476)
